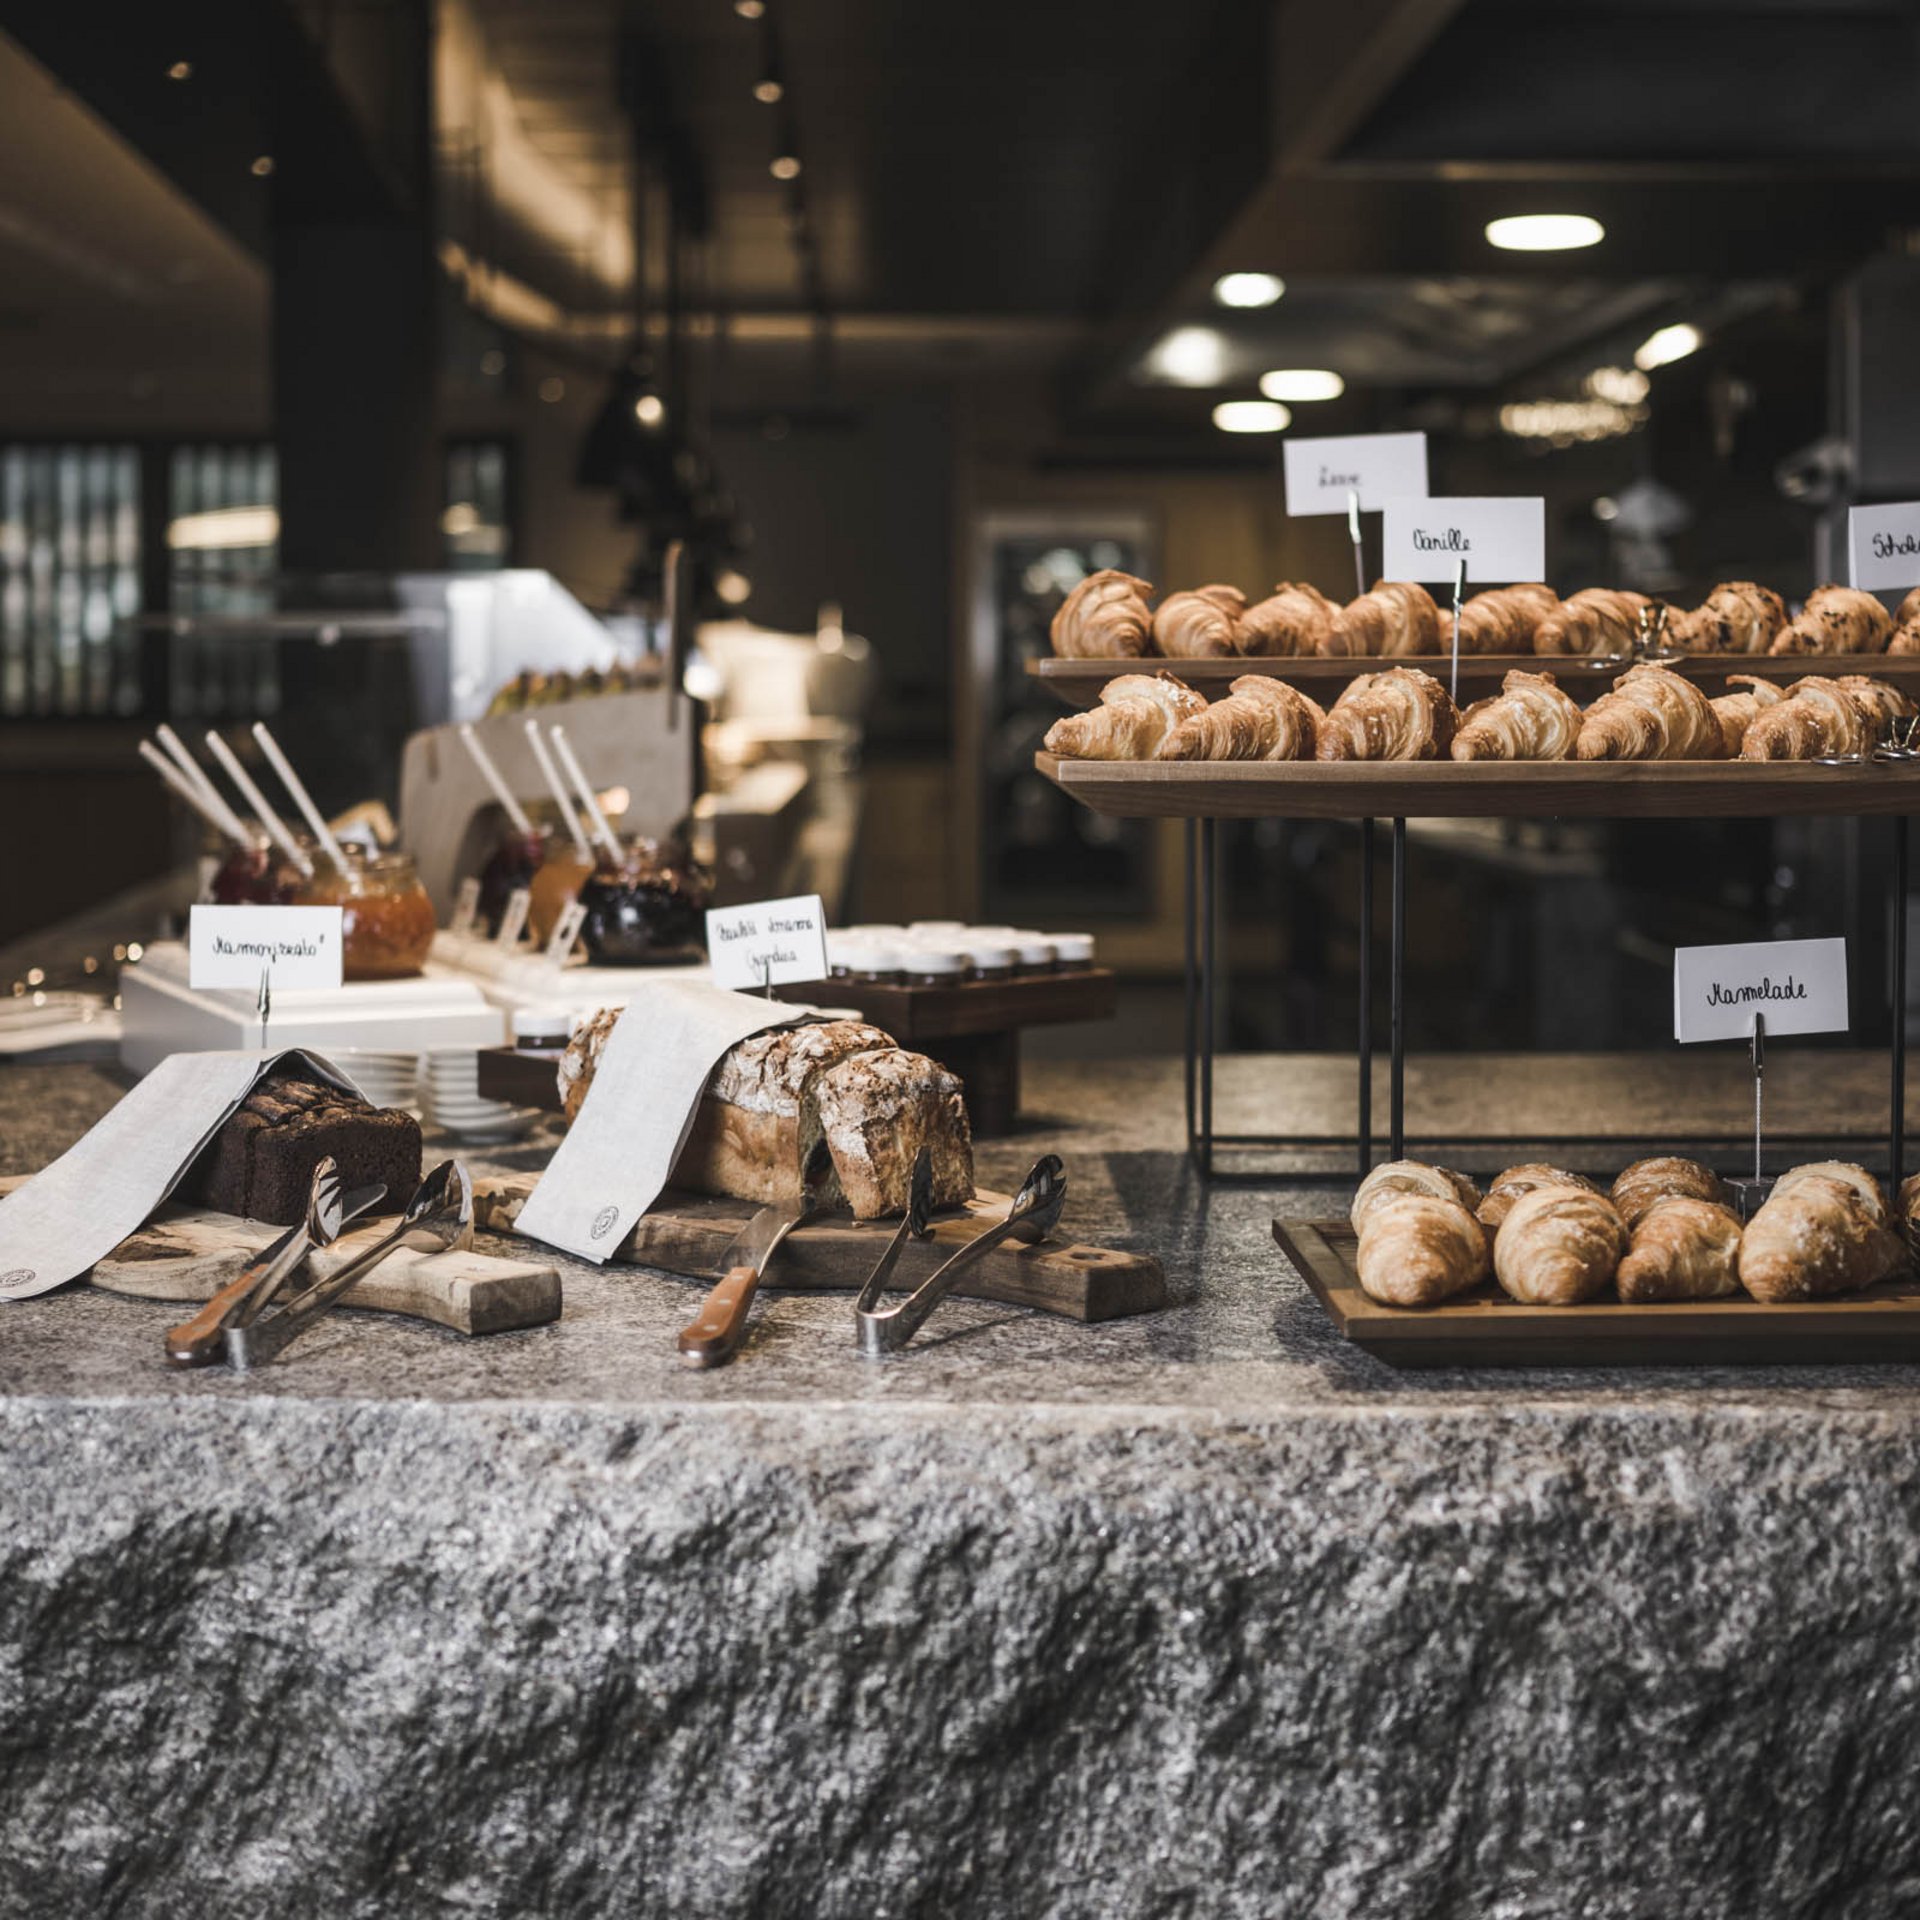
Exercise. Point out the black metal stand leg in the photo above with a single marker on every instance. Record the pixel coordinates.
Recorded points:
(1897, 950)
(1209, 914)
(1191, 832)
(1397, 1031)
(1366, 997)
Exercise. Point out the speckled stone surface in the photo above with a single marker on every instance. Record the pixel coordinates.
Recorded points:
(1201, 1614)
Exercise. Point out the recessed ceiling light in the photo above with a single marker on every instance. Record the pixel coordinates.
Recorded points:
(1625, 386)
(263, 166)
(1248, 289)
(786, 166)
(769, 92)
(1302, 383)
(1545, 232)
(1667, 345)
(749, 9)
(1251, 416)
(180, 70)
(649, 409)
(1190, 357)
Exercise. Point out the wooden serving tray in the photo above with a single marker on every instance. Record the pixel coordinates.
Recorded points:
(1480, 789)
(1485, 1328)
(688, 1234)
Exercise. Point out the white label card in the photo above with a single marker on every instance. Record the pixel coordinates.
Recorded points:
(1323, 474)
(768, 944)
(466, 908)
(1883, 544)
(1501, 538)
(513, 920)
(232, 946)
(566, 930)
(1799, 985)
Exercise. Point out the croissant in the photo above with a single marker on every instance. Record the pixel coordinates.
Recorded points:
(1260, 719)
(1197, 626)
(1881, 704)
(1529, 719)
(1104, 618)
(1393, 1178)
(1293, 619)
(1652, 713)
(1501, 620)
(1136, 713)
(1665, 1177)
(1816, 1235)
(1558, 1246)
(1416, 1250)
(1682, 1250)
(1906, 625)
(1508, 1189)
(1865, 1187)
(1816, 718)
(1736, 711)
(1738, 616)
(1907, 1208)
(1398, 714)
(1595, 620)
(1837, 620)
(1396, 617)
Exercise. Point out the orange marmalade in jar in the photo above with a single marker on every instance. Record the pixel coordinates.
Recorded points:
(386, 919)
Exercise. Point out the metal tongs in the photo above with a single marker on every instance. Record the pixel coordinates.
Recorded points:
(1034, 1214)
(438, 1217)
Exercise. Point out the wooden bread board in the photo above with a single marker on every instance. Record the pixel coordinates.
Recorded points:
(1486, 1328)
(688, 1234)
(186, 1253)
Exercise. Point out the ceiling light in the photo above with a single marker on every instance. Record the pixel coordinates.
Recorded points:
(649, 410)
(1545, 232)
(180, 70)
(1626, 386)
(769, 92)
(1667, 345)
(263, 166)
(1190, 357)
(1564, 422)
(221, 528)
(1302, 383)
(1251, 416)
(1606, 508)
(786, 166)
(1248, 289)
(733, 587)
(749, 9)
(553, 388)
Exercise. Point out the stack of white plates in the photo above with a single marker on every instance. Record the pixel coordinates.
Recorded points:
(387, 1079)
(450, 1096)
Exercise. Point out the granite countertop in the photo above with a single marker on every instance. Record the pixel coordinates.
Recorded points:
(1197, 1613)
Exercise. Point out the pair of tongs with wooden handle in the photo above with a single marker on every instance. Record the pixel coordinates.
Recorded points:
(1034, 1214)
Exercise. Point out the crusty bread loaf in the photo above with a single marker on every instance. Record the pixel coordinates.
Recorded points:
(777, 1093)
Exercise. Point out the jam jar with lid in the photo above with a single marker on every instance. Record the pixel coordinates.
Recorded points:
(386, 919)
(647, 909)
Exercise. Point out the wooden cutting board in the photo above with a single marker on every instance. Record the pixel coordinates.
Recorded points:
(688, 1234)
(1486, 1328)
(186, 1253)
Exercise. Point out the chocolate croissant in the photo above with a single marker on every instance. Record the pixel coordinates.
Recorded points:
(1738, 616)
(1666, 1177)
(1652, 713)
(1595, 620)
(1136, 713)
(1906, 625)
(1294, 619)
(1837, 620)
(1558, 1246)
(1396, 617)
(1416, 1250)
(1682, 1249)
(1104, 618)
(1507, 1191)
(1398, 714)
(1817, 718)
(1528, 719)
(1199, 626)
(1881, 704)
(1501, 620)
(1260, 719)
(1816, 1235)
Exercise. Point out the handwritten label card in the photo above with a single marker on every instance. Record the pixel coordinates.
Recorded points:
(1501, 539)
(1799, 985)
(1322, 474)
(231, 946)
(1884, 546)
(770, 943)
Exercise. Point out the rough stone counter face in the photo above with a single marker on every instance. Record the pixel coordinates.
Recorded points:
(1203, 1614)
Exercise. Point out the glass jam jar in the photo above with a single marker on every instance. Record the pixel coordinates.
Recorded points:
(512, 864)
(555, 887)
(386, 919)
(646, 910)
(253, 877)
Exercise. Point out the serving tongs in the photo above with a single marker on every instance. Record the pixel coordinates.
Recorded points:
(438, 1218)
(197, 1342)
(1034, 1214)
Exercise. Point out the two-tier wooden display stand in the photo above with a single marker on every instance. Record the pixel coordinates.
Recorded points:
(1202, 793)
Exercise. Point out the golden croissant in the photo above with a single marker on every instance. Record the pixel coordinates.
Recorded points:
(1817, 718)
(1906, 625)
(1135, 715)
(1666, 1177)
(1260, 719)
(1837, 620)
(1816, 1235)
(1506, 1192)
(1501, 620)
(1528, 719)
(1394, 1177)
(1682, 1249)
(1196, 626)
(1880, 702)
(1293, 619)
(1104, 618)
(1735, 709)
(1398, 714)
(1595, 620)
(1738, 616)
(1396, 617)
(1416, 1250)
(1559, 1246)
(1652, 713)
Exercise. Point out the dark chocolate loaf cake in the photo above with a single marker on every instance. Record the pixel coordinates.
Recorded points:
(260, 1164)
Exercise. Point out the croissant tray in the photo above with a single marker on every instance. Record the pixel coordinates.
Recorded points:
(1480, 789)
(1485, 1328)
